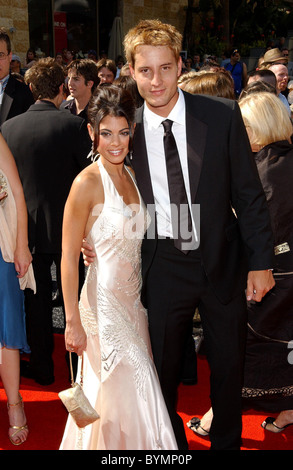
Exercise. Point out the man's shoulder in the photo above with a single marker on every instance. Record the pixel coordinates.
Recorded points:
(67, 104)
(37, 112)
(18, 85)
(11, 125)
(67, 116)
(209, 102)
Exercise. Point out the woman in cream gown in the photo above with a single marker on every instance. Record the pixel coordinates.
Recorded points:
(110, 326)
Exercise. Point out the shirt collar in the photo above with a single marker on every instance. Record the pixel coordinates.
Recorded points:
(177, 114)
(4, 80)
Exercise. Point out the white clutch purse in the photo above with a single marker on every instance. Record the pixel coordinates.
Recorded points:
(77, 403)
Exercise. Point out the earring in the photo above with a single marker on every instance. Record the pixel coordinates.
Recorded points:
(93, 155)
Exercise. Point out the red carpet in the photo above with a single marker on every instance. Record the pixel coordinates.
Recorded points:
(46, 415)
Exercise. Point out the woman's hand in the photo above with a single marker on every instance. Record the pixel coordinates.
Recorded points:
(75, 338)
(22, 260)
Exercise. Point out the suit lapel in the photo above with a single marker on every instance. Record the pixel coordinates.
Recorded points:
(7, 100)
(196, 132)
(140, 160)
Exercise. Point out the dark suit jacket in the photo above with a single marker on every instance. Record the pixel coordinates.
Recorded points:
(222, 174)
(50, 148)
(17, 98)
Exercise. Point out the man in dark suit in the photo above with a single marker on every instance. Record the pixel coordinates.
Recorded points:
(15, 96)
(50, 147)
(234, 244)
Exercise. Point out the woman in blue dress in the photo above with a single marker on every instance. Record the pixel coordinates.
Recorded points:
(15, 275)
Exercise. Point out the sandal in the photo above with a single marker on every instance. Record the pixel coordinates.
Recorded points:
(195, 425)
(17, 428)
(270, 425)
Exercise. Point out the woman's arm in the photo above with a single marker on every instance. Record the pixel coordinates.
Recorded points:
(76, 213)
(22, 255)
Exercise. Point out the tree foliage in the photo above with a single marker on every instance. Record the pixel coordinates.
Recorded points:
(252, 20)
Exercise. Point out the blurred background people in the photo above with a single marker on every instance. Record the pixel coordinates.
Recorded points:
(106, 70)
(82, 80)
(238, 70)
(30, 58)
(15, 97)
(211, 83)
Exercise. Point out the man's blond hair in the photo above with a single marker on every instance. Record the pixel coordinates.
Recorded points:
(152, 33)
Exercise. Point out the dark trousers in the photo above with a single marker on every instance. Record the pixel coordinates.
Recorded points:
(175, 286)
(39, 313)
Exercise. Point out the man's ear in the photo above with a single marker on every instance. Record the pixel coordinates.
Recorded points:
(90, 83)
(131, 71)
(179, 66)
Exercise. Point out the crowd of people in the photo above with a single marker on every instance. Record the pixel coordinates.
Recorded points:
(169, 180)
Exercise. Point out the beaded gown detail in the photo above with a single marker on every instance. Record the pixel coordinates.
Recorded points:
(120, 378)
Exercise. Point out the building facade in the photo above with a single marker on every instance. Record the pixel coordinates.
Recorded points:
(48, 26)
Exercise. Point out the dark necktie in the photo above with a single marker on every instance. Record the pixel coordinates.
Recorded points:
(180, 213)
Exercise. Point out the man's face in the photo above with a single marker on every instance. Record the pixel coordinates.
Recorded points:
(77, 86)
(14, 66)
(235, 57)
(282, 77)
(156, 72)
(285, 53)
(105, 75)
(5, 62)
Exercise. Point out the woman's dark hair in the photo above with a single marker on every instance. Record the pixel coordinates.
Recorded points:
(129, 84)
(110, 100)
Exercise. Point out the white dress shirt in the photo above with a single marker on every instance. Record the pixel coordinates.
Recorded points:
(154, 133)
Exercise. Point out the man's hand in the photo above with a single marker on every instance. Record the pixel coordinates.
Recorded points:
(258, 284)
(87, 252)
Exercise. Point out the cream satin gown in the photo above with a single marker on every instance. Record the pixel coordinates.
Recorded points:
(120, 379)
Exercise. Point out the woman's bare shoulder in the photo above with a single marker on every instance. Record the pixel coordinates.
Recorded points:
(90, 174)
(87, 186)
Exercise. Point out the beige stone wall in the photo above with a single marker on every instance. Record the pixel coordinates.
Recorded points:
(167, 11)
(14, 17)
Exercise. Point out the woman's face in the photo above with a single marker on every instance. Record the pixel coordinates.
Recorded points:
(113, 139)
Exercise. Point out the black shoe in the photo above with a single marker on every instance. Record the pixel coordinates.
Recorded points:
(27, 372)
